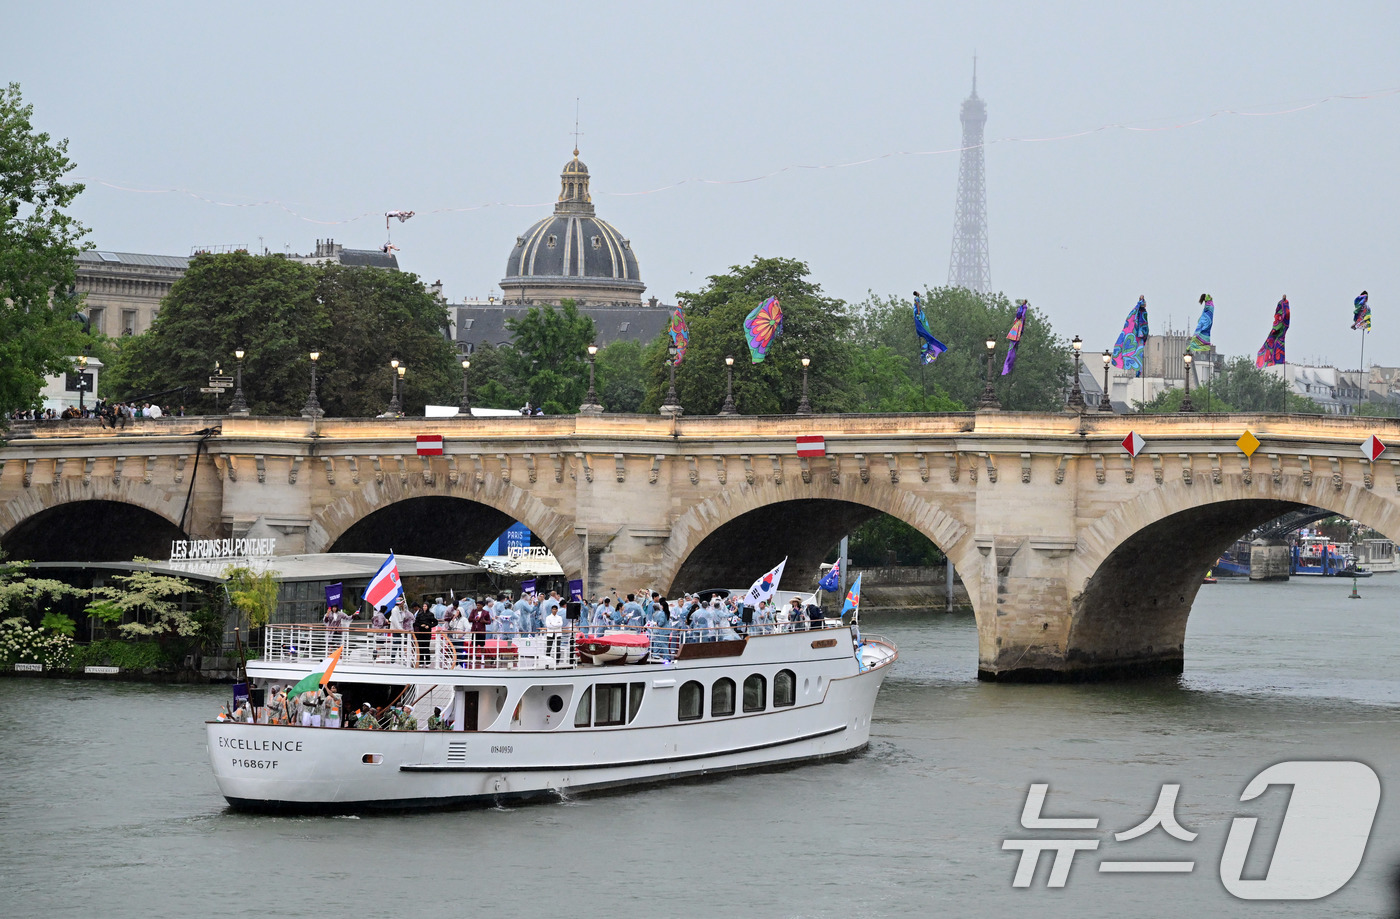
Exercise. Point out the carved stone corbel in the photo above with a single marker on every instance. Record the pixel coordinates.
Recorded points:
(121, 463)
(1336, 472)
(1129, 467)
(28, 472)
(1277, 466)
(587, 468)
(88, 463)
(481, 470)
(655, 475)
(453, 474)
(329, 463)
(296, 467)
(1100, 474)
(1246, 470)
(530, 467)
(378, 463)
(1307, 469)
(58, 464)
(1186, 470)
(427, 462)
(403, 468)
(893, 462)
(1060, 469)
(1367, 473)
(1157, 468)
(1214, 467)
(806, 470)
(991, 467)
(179, 470)
(694, 470)
(261, 463)
(954, 466)
(777, 462)
(1025, 468)
(923, 466)
(748, 467)
(833, 468)
(558, 459)
(864, 469)
(1395, 471)
(971, 469)
(721, 470)
(354, 469)
(620, 464)
(504, 460)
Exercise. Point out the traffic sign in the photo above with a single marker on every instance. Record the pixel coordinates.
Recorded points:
(1372, 448)
(212, 388)
(220, 381)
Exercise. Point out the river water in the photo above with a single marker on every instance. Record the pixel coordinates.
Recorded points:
(108, 807)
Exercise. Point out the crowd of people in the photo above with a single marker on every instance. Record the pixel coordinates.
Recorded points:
(111, 414)
(322, 707)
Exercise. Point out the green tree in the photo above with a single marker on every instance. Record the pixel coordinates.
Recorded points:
(886, 540)
(880, 382)
(492, 381)
(814, 326)
(278, 310)
(21, 594)
(621, 379)
(1377, 410)
(38, 247)
(253, 593)
(157, 603)
(1250, 389)
(1169, 400)
(963, 320)
(548, 355)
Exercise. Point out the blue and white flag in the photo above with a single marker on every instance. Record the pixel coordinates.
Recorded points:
(765, 587)
(832, 580)
(385, 588)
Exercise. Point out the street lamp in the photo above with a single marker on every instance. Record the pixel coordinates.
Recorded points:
(1104, 404)
(989, 396)
(1076, 395)
(239, 405)
(312, 408)
(672, 405)
(729, 408)
(466, 407)
(395, 408)
(590, 405)
(82, 382)
(804, 407)
(1186, 405)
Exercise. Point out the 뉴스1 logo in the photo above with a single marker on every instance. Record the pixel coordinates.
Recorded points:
(1325, 828)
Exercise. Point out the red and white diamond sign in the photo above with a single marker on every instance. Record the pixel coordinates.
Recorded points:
(811, 445)
(430, 445)
(1372, 448)
(1133, 443)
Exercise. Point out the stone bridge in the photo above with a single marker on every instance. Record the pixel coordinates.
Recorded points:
(1079, 560)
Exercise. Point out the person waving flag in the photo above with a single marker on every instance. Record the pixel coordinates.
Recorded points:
(765, 587)
(385, 588)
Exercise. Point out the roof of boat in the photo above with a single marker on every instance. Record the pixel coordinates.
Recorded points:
(321, 566)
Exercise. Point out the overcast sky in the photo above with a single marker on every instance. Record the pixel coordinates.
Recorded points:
(348, 109)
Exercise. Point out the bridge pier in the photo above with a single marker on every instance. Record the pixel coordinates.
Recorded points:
(1269, 560)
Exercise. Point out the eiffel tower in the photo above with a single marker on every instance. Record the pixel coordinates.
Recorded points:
(970, 266)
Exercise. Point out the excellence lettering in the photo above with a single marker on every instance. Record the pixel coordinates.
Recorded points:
(264, 746)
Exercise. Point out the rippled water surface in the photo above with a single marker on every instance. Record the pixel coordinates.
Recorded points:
(109, 809)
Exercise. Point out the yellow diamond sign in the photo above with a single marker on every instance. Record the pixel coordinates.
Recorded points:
(1247, 443)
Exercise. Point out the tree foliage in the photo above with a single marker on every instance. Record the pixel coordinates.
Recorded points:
(278, 310)
(1249, 389)
(38, 246)
(621, 377)
(156, 603)
(548, 357)
(1169, 400)
(253, 593)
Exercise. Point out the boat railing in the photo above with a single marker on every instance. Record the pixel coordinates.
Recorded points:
(450, 649)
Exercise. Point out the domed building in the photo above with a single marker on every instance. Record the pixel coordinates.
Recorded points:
(573, 254)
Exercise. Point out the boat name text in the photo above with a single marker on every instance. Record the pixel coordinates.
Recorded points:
(238, 743)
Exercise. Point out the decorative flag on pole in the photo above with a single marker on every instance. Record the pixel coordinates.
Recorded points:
(832, 579)
(1361, 318)
(852, 604)
(430, 445)
(385, 588)
(320, 678)
(766, 586)
(680, 332)
(1272, 351)
(1201, 340)
(929, 347)
(1132, 341)
(1014, 336)
(528, 587)
(763, 325)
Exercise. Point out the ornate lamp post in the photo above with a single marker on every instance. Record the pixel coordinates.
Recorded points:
(398, 393)
(729, 408)
(590, 405)
(989, 396)
(1186, 405)
(466, 407)
(804, 407)
(672, 405)
(239, 405)
(1076, 395)
(82, 381)
(312, 408)
(395, 408)
(1104, 404)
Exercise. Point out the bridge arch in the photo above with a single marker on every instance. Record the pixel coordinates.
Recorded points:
(99, 521)
(732, 523)
(1141, 564)
(350, 523)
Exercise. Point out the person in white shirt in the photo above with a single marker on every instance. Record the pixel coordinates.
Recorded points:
(553, 630)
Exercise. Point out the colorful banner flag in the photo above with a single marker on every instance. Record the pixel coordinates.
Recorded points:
(1201, 340)
(385, 588)
(1128, 351)
(680, 332)
(852, 604)
(832, 579)
(1361, 317)
(1018, 328)
(929, 347)
(319, 678)
(1272, 352)
(766, 586)
(335, 594)
(761, 326)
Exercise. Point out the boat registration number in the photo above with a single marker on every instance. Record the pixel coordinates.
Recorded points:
(254, 763)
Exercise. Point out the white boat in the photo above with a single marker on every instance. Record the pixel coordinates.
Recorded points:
(531, 720)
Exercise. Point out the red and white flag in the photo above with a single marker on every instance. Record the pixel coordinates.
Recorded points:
(385, 587)
(1372, 448)
(430, 445)
(811, 445)
(1133, 443)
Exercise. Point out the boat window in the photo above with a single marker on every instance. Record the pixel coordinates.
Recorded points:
(634, 701)
(755, 693)
(612, 701)
(584, 713)
(722, 697)
(784, 688)
(691, 702)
